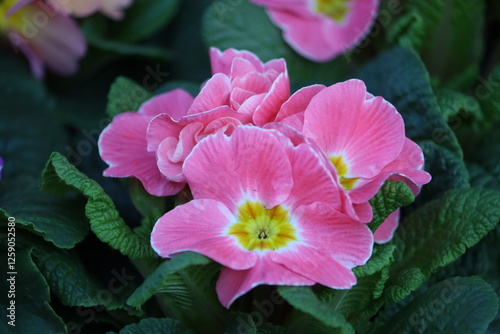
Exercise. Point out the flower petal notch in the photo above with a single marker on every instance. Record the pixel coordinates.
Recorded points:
(249, 213)
(320, 30)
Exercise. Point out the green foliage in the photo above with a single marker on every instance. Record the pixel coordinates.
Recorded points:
(154, 325)
(437, 234)
(60, 220)
(125, 95)
(60, 176)
(392, 196)
(304, 299)
(185, 284)
(457, 305)
(31, 297)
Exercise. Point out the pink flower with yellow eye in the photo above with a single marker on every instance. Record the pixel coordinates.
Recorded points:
(266, 210)
(322, 29)
(362, 136)
(47, 37)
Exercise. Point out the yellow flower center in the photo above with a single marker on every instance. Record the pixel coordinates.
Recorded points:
(17, 20)
(335, 9)
(341, 167)
(259, 228)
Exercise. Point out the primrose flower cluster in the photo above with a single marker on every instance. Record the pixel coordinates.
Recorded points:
(280, 182)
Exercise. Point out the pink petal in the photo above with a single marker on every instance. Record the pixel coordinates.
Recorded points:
(214, 94)
(234, 283)
(254, 82)
(298, 102)
(280, 91)
(233, 169)
(312, 180)
(122, 145)
(200, 226)
(174, 103)
(221, 62)
(367, 133)
(385, 231)
(76, 8)
(114, 8)
(160, 128)
(241, 66)
(346, 240)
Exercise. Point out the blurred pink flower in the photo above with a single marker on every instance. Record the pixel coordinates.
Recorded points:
(81, 8)
(264, 209)
(362, 136)
(322, 29)
(48, 38)
(124, 147)
(1, 166)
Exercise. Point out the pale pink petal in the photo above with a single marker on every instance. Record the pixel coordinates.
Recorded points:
(233, 169)
(278, 65)
(214, 94)
(254, 82)
(122, 145)
(367, 133)
(76, 8)
(200, 226)
(251, 104)
(238, 97)
(225, 125)
(241, 66)
(386, 230)
(114, 8)
(234, 283)
(322, 227)
(291, 133)
(280, 91)
(316, 265)
(174, 103)
(312, 180)
(161, 127)
(221, 62)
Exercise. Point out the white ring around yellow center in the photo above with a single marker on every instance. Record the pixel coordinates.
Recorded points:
(259, 228)
(342, 170)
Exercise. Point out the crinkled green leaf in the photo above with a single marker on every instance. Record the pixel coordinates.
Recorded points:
(239, 322)
(59, 176)
(186, 285)
(488, 93)
(382, 256)
(125, 95)
(457, 305)
(59, 220)
(455, 104)
(268, 328)
(487, 159)
(33, 313)
(482, 178)
(437, 234)
(304, 299)
(392, 196)
(143, 18)
(154, 325)
(69, 280)
(234, 26)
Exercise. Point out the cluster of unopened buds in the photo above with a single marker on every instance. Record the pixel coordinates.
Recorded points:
(280, 182)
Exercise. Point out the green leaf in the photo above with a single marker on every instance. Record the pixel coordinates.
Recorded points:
(143, 18)
(487, 161)
(61, 221)
(456, 104)
(29, 130)
(437, 234)
(125, 95)
(239, 322)
(382, 257)
(457, 305)
(233, 26)
(33, 313)
(406, 85)
(185, 284)
(59, 176)
(154, 325)
(70, 282)
(268, 328)
(304, 299)
(392, 196)
(482, 178)
(488, 94)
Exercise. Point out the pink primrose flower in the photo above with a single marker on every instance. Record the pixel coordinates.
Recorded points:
(82, 8)
(385, 231)
(322, 29)
(47, 37)
(244, 83)
(123, 144)
(361, 135)
(265, 209)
